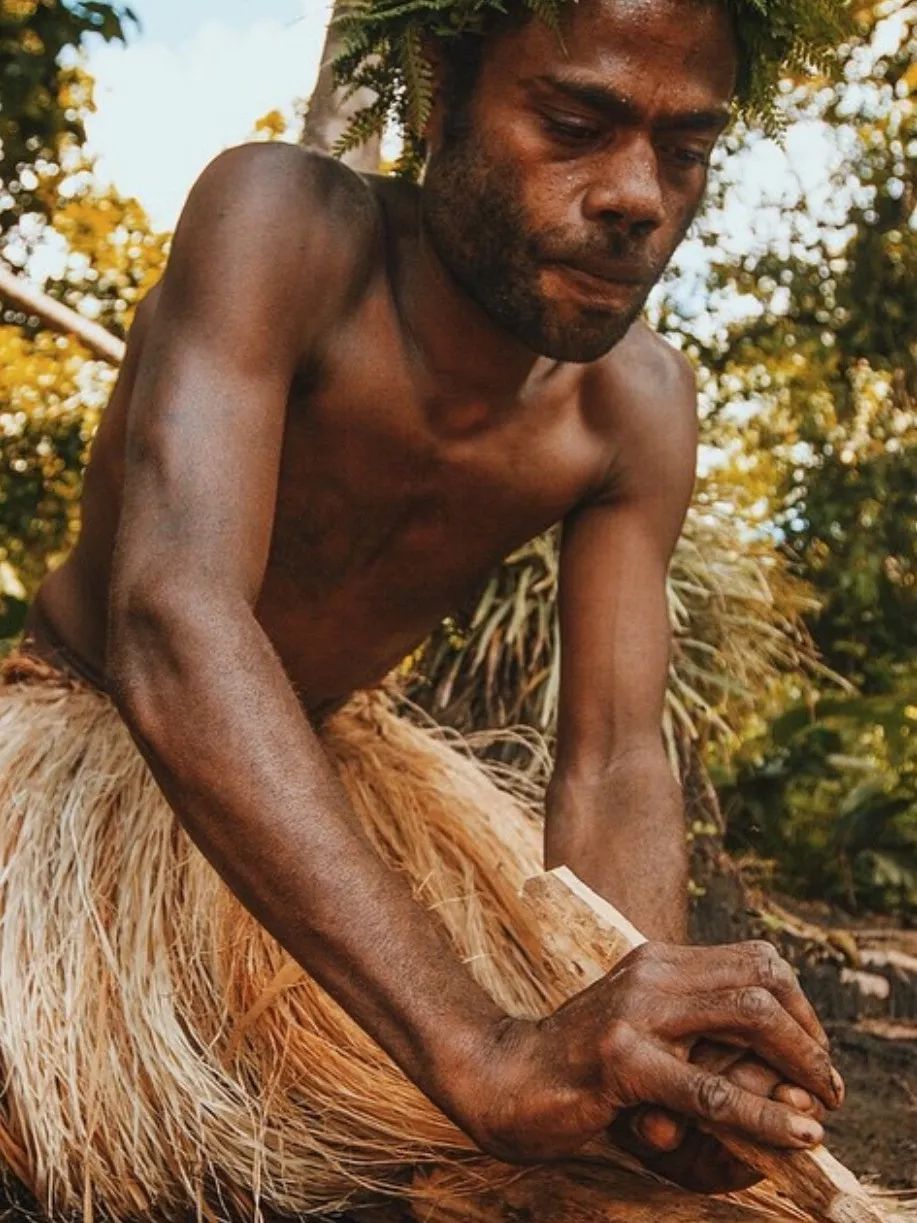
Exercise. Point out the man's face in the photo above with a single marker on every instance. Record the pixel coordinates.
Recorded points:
(577, 168)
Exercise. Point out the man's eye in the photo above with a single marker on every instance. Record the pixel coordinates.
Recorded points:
(687, 156)
(570, 131)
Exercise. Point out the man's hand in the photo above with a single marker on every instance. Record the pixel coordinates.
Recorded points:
(627, 1040)
(678, 1150)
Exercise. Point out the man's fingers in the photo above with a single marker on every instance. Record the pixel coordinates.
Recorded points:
(659, 1129)
(664, 1131)
(713, 1098)
(754, 1018)
(799, 1099)
(755, 964)
(751, 1074)
(756, 1076)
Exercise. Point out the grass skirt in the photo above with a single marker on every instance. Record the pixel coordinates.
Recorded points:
(163, 1056)
(159, 1048)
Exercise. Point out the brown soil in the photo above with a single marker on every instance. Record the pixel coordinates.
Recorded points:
(875, 1133)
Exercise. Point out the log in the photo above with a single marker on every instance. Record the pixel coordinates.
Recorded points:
(584, 928)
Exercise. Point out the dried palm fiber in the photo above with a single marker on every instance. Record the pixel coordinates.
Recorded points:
(160, 1051)
(154, 1038)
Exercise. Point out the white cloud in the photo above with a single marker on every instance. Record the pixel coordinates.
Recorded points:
(165, 111)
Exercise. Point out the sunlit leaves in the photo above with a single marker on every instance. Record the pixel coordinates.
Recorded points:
(38, 111)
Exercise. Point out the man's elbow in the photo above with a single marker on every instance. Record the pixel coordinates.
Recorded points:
(158, 638)
(621, 769)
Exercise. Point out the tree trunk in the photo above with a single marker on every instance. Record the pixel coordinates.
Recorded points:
(328, 113)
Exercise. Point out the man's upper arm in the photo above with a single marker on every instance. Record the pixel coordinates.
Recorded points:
(615, 555)
(259, 263)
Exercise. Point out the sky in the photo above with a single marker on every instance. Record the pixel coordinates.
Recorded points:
(192, 81)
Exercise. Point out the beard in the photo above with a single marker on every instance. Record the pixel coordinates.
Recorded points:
(473, 215)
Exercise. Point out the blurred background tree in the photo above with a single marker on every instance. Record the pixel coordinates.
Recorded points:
(43, 98)
(811, 401)
(104, 258)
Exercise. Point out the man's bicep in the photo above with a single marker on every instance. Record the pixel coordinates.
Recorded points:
(201, 464)
(207, 411)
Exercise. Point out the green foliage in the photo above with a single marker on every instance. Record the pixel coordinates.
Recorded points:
(41, 102)
(828, 795)
(382, 51)
(812, 402)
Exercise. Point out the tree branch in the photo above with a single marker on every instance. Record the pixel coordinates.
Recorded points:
(56, 316)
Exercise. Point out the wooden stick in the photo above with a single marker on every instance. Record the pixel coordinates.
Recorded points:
(575, 1192)
(58, 317)
(593, 936)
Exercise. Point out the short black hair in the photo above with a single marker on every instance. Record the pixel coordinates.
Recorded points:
(462, 58)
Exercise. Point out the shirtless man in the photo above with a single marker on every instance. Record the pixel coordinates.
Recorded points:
(348, 399)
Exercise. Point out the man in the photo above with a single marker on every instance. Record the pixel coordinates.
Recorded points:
(347, 400)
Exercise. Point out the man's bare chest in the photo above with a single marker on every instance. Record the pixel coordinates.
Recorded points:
(378, 494)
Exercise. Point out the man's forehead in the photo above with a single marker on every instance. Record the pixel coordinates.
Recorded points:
(622, 100)
(687, 48)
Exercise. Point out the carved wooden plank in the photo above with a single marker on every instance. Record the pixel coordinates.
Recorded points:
(593, 936)
(577, 1192)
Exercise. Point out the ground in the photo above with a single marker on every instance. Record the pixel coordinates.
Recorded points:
(876, 1132)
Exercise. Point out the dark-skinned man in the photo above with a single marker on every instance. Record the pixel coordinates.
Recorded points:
(347, 400)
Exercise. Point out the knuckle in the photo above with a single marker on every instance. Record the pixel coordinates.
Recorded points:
(766, 1121)
(754, 1004)
(648, 967)
(643, 957)
(618, 1042)
(713, 1097)
(771, 970)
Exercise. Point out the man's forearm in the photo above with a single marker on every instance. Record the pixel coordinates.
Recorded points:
(624, 835)
(227, 740)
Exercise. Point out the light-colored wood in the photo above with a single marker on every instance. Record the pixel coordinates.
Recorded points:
(577, 1192)
(582, 926)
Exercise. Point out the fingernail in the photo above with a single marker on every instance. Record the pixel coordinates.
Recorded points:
(798, 1098)
(838, 1084)
(807, 1130)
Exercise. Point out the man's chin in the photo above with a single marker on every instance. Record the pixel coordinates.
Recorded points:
(583, 345)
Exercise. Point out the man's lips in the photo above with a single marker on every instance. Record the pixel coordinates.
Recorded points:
(614, 287)
(610, 274)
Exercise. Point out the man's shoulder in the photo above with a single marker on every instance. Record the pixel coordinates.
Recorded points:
(644, 370)
(643, 397)
(291, 229)
(303, 183)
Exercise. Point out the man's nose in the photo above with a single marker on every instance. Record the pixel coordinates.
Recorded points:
(626, 188)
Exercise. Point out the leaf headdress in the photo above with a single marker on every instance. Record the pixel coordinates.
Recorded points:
(383, 52)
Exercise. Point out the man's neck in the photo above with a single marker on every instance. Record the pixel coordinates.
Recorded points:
(464, 354)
